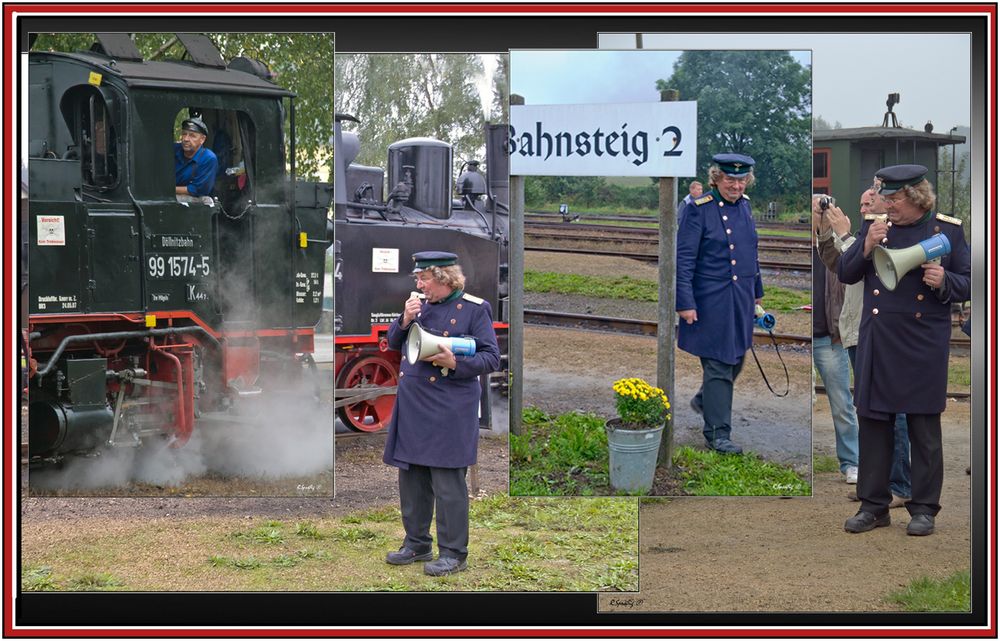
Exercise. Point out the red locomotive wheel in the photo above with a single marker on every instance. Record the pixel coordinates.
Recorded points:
(372, 415)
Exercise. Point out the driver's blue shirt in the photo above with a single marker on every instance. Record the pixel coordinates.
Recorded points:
(196, 173)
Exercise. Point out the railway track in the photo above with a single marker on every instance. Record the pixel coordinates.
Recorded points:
(767, 244)
(652, 258)
(546, 216)
(648, 328)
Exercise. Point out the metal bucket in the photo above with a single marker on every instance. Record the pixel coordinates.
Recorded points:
(632, 456)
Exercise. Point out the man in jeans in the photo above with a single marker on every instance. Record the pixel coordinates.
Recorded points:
(830, 357)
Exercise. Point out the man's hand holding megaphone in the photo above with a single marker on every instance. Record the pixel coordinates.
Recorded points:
(444, 359)
(411, 309)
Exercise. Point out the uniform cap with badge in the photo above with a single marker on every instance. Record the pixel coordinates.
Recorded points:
(735, 165)
(195, 124)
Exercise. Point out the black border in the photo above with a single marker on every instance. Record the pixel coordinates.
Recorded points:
(486, 33)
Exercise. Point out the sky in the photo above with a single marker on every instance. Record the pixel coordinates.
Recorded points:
(591, 77)
(853, 74)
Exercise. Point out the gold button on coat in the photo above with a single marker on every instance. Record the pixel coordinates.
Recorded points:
(875, 311)
(733, 261)
(918, 314)
(937, 228)
(445, 333)
(734, 277)
(432, 379)
(453, 321)
(729, 231)
(459, 306)
(732, 247)
(725, 218)
(920, 296)
(876, 292)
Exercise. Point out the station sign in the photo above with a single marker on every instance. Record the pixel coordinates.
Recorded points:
(655, 139)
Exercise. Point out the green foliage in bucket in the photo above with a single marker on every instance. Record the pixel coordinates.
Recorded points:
(640, 405)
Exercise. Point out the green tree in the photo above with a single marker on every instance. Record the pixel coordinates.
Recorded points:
(301, 61)
(397, 96)
(756, 103)
(501, 90)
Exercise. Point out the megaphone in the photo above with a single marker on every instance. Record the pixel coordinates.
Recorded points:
(763, 320)
(420, 344)
(892, 264)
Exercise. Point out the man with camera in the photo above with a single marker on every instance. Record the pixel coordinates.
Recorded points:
(829, 355)
(902, 356)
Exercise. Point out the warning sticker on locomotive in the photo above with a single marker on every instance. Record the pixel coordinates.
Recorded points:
(385, 260)
(51, 230)
(178, 266)
(308, 288)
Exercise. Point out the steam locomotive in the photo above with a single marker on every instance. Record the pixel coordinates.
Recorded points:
(146, 308)
(377, 234)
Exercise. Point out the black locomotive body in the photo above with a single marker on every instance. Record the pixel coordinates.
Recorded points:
(375, 236)
(146, 308)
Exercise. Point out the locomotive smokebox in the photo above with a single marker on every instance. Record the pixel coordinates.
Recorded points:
(423, 165)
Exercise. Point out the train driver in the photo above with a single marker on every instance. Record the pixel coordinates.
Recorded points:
(903, 342)
(434, 430)
(194, 164)
(718, 286)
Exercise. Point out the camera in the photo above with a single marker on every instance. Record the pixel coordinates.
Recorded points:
(826, 202)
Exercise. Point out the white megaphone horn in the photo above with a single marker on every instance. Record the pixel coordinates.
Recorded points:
(892, 264)
(420, 344)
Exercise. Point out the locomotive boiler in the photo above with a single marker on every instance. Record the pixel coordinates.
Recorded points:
(377, 230)
(147, 308)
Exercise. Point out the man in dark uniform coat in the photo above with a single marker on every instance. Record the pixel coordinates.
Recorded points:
(434, 430)
(718, 287)
(902, 355)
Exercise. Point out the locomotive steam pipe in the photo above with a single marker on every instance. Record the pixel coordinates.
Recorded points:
(181, 422)
(86, 338)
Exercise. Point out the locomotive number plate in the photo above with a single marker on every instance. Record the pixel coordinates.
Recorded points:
(178, 266)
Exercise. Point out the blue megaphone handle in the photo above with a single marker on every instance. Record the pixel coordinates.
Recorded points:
(766, 322)
(936, 246)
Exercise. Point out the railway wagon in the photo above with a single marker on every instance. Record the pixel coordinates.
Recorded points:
(376, 233)
(147, 308)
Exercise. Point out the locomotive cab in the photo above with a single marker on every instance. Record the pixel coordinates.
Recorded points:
(147, 307)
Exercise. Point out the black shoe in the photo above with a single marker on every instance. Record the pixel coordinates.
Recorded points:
(445, 565)
(865, 521)
(725, 446)
(406, 556)
(696, 406)
(920, 525)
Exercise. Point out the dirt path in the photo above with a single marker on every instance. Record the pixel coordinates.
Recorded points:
(792, 555)
(569, 370)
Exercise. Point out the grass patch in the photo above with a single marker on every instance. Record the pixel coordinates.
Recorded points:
(267, 534)
(387, 514)
(623, 287)
(951, 594)
(94, 582)
(559, 455)
(824, 463)
(776, 299)
(959, 375)
(516, 544)
(308, 531)
(708, 473)
(37, 579)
